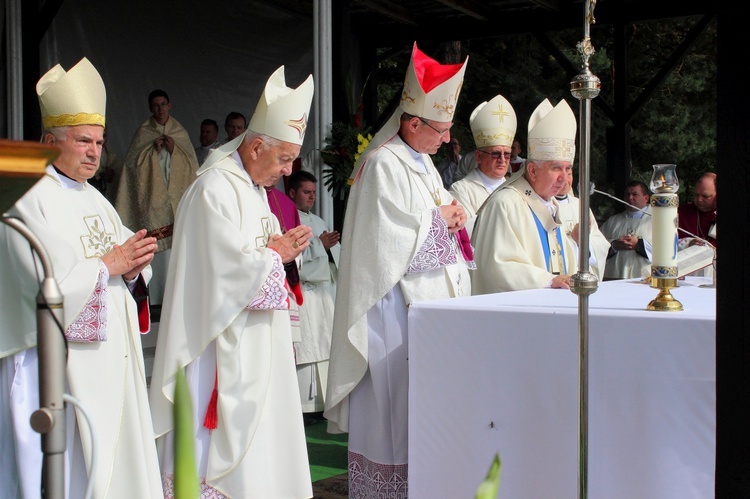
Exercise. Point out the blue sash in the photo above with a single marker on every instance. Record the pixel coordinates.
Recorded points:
(545, 244)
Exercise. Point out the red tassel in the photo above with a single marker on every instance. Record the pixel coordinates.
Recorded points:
(144, 316)
(211, 420)
(297, 290)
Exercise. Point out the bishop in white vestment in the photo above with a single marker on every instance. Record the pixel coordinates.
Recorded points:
(226, 314)
(493, 126)
(400, 245)
(517, 237)
(100, 266)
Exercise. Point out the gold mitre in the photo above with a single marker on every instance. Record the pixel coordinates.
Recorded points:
(75, 97)
(552, 132)
(431, 89)
(282, 112)
(493, 123)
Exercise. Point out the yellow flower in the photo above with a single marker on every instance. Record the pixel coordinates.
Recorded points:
(362, 143)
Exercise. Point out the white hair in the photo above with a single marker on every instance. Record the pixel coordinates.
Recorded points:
(268, 141)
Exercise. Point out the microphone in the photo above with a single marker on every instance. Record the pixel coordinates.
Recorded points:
(592, 189)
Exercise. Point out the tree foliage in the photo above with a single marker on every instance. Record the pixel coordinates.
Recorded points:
(677, 124)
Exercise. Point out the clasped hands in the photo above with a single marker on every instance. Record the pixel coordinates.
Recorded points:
(131, 257)
(164, 141)
(292, 243)
(329, 239)
(560, 282)
(625, 243)
(454, 216)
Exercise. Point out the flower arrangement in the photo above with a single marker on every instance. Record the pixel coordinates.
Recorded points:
(343, 148)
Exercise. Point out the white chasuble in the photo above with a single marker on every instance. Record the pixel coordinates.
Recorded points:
(77, 226)
(598, 244)
(509, 247)
(218, 265)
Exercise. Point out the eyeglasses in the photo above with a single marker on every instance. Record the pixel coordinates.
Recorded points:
(496, 155)
(440, 132)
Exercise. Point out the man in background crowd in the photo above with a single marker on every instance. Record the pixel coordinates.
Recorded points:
(629, 233)
(318, 274)
(159, 166)
(209, 139)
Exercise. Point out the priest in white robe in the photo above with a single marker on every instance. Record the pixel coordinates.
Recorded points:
(102, 270)
(630, 235)
(226, 313)
(517, 236)
(318, 274)
(493, 127)
(403, 241)
(570, 215)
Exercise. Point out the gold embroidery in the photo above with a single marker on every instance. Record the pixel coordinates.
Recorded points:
(405, 94)
(73, 120)
(97, 242)
(500, 113)
(262, 241)
(299, 124)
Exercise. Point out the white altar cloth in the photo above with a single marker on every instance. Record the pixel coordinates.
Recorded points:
(499, 373)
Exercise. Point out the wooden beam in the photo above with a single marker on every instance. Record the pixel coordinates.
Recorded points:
(390, 9)
(469, 8)
(553, 5)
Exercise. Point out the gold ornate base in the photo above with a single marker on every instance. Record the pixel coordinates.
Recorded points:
(664, 301)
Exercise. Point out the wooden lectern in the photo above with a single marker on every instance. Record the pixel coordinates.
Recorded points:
(22, 164)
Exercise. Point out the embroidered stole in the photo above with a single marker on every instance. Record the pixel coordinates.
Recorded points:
(552, 245)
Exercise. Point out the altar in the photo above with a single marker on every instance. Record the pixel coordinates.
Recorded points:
(499, 374)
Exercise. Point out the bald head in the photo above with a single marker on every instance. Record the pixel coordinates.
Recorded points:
(705, 192)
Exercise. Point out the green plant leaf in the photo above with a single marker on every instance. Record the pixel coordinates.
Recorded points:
(186, 482)
(489, 487)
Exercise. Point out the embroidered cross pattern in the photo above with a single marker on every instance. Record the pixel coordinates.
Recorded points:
(262, 241)
(500, 113)
(98, 241)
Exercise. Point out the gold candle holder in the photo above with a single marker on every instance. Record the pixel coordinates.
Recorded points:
(664, 203)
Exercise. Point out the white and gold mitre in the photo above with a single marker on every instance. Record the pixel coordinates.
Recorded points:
(282, 112)
(75, 97)
(552, 132)
(493, 123)
(431, 89)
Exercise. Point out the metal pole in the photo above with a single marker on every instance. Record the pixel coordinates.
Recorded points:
(584, 87)
(49, 419)
(323, 74)
(14, 69)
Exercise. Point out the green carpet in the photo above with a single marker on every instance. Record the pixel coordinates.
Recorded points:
(327, 452)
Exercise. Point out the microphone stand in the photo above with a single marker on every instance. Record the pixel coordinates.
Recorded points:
(49, 419)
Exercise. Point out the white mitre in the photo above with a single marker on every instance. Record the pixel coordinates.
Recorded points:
(75, 97)
(431, 89)
(493, 123)
(552, 132)
(282, 112)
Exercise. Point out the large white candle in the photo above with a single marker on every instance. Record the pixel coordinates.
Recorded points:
(664, 233)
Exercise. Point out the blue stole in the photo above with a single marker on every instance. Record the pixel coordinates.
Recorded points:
(545, 244)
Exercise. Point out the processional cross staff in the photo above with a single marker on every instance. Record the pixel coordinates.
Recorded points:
(584, 87)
